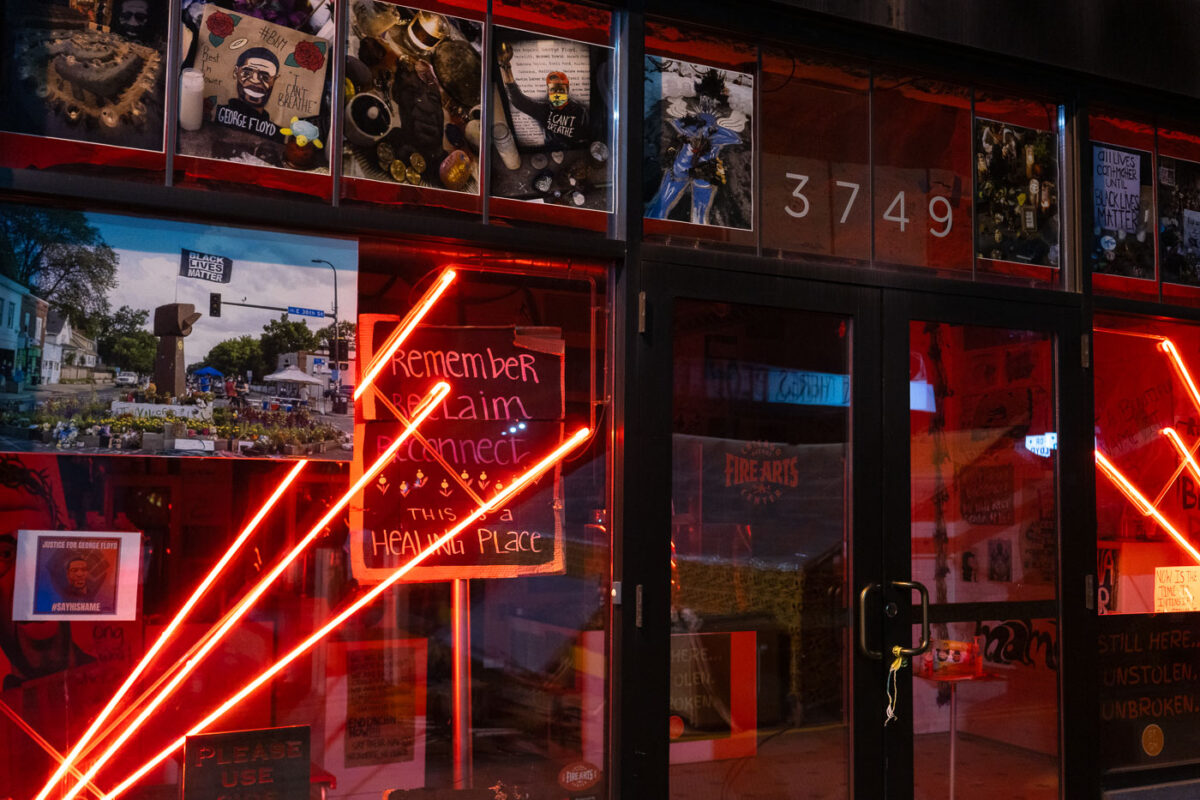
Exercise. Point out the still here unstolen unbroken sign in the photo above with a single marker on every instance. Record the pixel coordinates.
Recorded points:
(504, 412)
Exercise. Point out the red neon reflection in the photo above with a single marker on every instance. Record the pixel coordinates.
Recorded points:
(517, 485)
(1142, 504)
(169, 632)
(427, 406)
(1184, 454)
(410, 322)
(1168, 347)
(42, 743)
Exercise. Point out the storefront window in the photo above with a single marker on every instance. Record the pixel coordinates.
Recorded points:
(83, 86)
(1146, 549)
(553, 114)
(255, 94)
(422, 602)
(1124, 233)
(1145, 437)
(412, 122)
(699, 137)
(816, 186)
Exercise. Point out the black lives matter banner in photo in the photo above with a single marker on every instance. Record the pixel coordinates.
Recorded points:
(504, 412)
(205, 266)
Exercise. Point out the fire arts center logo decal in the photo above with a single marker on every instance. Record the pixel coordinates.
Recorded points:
(760, 472)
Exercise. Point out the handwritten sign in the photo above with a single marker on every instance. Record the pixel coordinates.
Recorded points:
(985, 495)
(261, 75)
(1116, 188)
(1149, 668)
(504, 409)
(247, 765)
(119, 408)
(1176, 589)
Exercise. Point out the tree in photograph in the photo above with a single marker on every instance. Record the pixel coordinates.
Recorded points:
(235, 357)
(346, 331)
(60, 257)
(123, 340)
(281, 336)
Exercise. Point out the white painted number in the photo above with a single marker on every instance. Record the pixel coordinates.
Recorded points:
(853, 187)
(903, 220)
(798, 193)
(947, 219)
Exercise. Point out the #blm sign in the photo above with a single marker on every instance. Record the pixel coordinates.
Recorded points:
(205, 266)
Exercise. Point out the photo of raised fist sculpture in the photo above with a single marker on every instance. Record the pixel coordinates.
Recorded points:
(172, 322)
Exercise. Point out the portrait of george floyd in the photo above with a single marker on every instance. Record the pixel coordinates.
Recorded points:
(76, 575)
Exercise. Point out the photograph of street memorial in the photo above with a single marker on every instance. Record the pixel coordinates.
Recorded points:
(151, 337)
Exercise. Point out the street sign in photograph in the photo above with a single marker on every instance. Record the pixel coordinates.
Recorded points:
(305, 312)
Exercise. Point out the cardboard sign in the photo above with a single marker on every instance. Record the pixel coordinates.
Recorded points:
(1176, 589)
(1117, 189)
(246, 765)
(258, 76)
(504, 412)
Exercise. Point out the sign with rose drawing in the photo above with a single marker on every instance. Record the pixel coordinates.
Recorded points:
(259, 77)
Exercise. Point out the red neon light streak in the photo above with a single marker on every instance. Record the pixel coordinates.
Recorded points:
(1142, 504)
(517, 485)
(169, 632)
(409, 323)
(1168, 347)
(42, 743)
(1187, 457)
(427, 407)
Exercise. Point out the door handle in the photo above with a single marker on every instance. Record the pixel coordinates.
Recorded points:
(909, 652)
(863, 647)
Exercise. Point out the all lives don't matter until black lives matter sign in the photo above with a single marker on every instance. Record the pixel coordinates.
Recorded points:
(503, 414)
(247, 765)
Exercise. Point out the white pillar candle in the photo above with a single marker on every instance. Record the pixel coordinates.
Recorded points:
(191, 100)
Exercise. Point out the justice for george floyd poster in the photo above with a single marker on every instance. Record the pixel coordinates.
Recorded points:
(698, 144)
(85, 71)
(255, 84)
(550, 129)
(76, 576)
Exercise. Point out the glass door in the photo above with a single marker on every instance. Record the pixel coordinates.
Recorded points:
(860, 476)
(773, 391)
(975, 583)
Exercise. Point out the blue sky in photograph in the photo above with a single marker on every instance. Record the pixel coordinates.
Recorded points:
(269, 268)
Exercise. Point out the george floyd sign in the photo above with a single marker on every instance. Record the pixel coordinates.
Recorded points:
(246, 765)
(205, 266)
(259, 76)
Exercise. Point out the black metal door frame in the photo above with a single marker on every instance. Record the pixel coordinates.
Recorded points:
(880, 539)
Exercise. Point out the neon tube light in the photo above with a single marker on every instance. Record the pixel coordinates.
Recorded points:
(42, 743)
(1184, 453)
(517, 485)
(435, 396)
(169, 632)
(1168, 347)
(1142, 504)
(410, 322)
